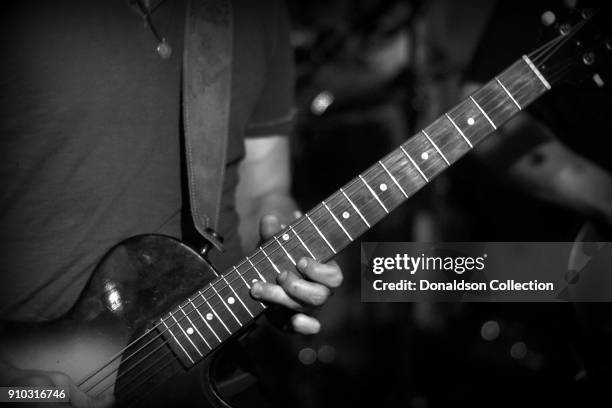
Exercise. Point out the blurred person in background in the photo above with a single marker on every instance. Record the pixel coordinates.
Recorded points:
(556, 151)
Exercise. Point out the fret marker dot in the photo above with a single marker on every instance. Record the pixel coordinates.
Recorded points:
(230, 300)
(346, 215)
(254, 280)
(209, 316)
(383, 187)
(424, 156)
(189, 331)
(286, 237)
(470, 121)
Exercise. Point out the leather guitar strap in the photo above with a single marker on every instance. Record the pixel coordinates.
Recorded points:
(207, 63)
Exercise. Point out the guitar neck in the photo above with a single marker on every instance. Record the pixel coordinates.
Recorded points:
(224, 306)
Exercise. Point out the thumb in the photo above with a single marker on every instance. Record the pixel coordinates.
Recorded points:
(268, 226)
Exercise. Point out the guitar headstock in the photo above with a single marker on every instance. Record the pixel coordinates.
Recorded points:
(581, 45)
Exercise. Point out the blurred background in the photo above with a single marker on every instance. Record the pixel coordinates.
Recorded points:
(370, 73)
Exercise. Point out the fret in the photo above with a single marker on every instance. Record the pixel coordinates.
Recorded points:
(307, 244)
(386, 189)
(205, 320)
(193, 327)
(276, 256)
(237, 297)
(319, 232)
(459, 130)
(285, 251)
(483, 113)
(342, 209)
(186, 335)
(269, 260)
(405, 175)
(522, 82)
(224, 302)
(255, 268)
(337, 221)
(213, 312)
(330, 227)
(355, 208)
(468, 118)
(416, 166)
(536, 72)
(247, 273)
(445, 136)
(246, 284)
(302, 242)
(368, 204)
(425, 156)
(242, 278)
(494, 100)
(436, 146)
(508, 93)
(169, 330)
(393, 178)
(263, 263)
(374, 194)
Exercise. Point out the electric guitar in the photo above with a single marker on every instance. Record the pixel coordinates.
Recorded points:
(145, 316)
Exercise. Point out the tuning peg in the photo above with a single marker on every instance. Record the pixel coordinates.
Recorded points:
(564, 29)
(586, 13)
(548, 18)
(588, 58)
(598, 81)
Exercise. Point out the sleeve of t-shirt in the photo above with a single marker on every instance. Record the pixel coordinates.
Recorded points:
(273, 113)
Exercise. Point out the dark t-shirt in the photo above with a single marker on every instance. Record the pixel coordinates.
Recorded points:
(579, 115)
(90, 136)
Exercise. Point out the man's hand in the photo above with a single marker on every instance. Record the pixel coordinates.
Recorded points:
(303, 291)
(16, 377)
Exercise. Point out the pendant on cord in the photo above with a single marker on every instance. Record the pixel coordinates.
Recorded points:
(164, 49)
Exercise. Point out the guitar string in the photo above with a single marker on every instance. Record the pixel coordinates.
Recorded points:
(228, 274)
(152, 373)
(561, 40)
(234, 270)
(319, 207)
(544, 48)
(561, 74)
(145, 357)
(565, 39)
(161, 357)
(134, 387)
(169, 352)
(558, 71)
(560, 64)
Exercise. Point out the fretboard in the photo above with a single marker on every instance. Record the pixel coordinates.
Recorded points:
(223, 307)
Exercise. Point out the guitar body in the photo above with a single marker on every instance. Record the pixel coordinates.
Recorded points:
(135, 283)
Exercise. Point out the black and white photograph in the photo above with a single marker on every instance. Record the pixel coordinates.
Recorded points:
(292, 203)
